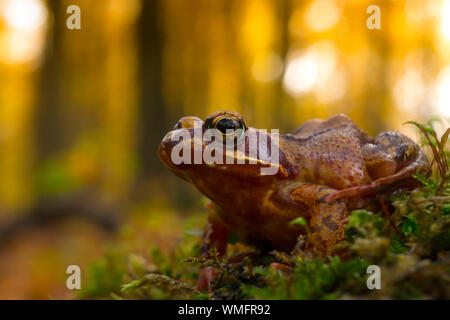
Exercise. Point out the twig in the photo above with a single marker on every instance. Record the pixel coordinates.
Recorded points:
(388, 216)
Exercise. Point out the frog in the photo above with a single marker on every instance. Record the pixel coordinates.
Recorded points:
(325, 169)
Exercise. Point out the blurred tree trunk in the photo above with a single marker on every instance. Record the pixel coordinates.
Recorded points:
(152, 120)
(49, 118)
(377, 102)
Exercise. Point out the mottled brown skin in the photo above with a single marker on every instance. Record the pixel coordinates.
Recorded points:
(327, 167)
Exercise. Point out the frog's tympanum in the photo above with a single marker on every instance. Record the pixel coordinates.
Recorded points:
(326, 168)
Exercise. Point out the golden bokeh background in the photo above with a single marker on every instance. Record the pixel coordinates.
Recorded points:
(82, 111)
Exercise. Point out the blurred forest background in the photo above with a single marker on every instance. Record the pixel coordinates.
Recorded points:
(82, 111)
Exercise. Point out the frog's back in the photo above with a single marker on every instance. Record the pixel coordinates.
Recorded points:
(328, 152)
(339, 122)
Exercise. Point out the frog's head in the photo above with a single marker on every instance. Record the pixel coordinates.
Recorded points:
(223, 149)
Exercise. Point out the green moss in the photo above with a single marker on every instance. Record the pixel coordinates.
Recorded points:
(105, 276)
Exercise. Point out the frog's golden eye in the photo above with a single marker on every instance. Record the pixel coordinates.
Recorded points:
(229, 125)
(226, 125)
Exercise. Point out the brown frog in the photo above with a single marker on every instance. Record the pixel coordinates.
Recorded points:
(325, 169)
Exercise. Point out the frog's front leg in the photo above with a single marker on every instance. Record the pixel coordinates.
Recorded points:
(215, 234)
(327, 220)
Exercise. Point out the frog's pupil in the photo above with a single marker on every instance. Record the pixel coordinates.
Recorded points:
(226, 124)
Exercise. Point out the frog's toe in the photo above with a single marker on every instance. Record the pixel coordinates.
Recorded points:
(284, 268)
(358, 191)
(206, 278)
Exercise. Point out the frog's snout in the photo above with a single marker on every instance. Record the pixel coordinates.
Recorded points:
(186, 123)
(183, 129)
(172, 137)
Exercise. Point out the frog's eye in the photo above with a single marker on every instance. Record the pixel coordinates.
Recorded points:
(229, 125)
(226, 125)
